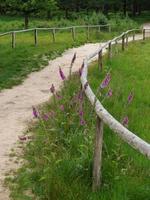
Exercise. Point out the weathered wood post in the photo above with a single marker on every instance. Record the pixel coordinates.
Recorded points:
(73, 33)
(126, 39)
(97, 162)
(144, 32)
(99, 28)
(88, 32)
(109, 50)
(54, 35)
(133, 35)
(123, 41)
(109, 28)
(35, 37)
(100, 60)
(13, 39)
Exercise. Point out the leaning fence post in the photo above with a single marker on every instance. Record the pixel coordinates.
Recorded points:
(109, 50)
(35, 37)
(97, 155)
(13, 39)
(144, 31)
(123, 38)
(73, 33)
(100, 61)
(54, 35)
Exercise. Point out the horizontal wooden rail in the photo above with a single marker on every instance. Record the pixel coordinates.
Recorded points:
(56, 28)
(53, 30)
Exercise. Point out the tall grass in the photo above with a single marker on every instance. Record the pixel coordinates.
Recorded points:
(59, 158)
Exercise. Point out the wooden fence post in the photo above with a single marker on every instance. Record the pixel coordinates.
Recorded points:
(13, 39)
(134, 36)
(54, 35)
(73, 33)
(109, 50)
(100, 60)
(126, 39)
(123, 41)
(109, 28)
(99, 28)
(144, 31)
(35, 37)
(97, 155)
(88, 33)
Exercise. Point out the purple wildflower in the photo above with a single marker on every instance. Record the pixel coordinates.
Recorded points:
(52, 89)
(22, 138)
(62, 108)
(61, 74)
(110, 93)
(81, 113)
(35, 112)
(82, 122)
(73, 59)
(58, 96)
(86, 85)
(80, 95)
(125, 121)
(130, 97)
(81, 69)
(45, 117)
(106, 81)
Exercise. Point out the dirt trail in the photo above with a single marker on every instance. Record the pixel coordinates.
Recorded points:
(16, 103)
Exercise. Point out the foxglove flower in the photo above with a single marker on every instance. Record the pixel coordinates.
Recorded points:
(81, 113)
(58, 96)
(86, 85)
(106, 81)
(22, 138)
(35, 112)
(110, 93)
(81, 69)
(73, 59)
(62, 108)
(61, 74)
(130, 97)
(52, 89)
(45, 117)
(82, 122)
(125, 121)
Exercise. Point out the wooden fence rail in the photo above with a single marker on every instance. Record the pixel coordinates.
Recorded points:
(53, 31)
(103, 116)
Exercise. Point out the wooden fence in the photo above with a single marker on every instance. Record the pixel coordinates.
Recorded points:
(103, 116)
(53, 31)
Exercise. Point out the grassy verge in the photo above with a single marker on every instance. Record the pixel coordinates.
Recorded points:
(59, 158)
(16, 64)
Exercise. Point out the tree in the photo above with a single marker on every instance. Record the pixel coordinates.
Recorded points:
(28, 7)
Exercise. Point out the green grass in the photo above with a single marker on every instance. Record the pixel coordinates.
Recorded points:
(16, 64)
(59, 159)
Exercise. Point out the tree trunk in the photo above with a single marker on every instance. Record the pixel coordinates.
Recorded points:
(26, 20)
(66, 13)
(134, 8)
(125, 7)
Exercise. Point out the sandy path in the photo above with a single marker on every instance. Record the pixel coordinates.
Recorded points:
(16, 103)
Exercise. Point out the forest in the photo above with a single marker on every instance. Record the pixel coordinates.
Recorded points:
(70, 9)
